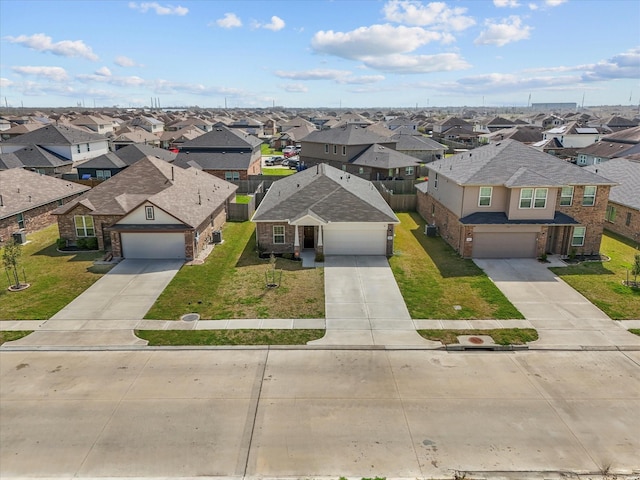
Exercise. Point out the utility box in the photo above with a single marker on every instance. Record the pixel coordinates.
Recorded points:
(20, 237)
(217, 236)
(431, 230)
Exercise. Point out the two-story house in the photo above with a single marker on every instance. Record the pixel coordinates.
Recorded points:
(355, 150)
(507, 200)
(223, 152)
(618, 144)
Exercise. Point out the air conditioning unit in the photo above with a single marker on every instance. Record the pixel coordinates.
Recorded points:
(217, 236)
(430, 230)
(19, 237)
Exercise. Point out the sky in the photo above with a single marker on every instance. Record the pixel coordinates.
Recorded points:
(319, 53)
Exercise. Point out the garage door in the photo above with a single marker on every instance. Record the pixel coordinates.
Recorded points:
(153, 245)
(363, 240)
(504, 245)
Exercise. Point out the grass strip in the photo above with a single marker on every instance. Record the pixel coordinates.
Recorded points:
(501, 336)
(230, 337)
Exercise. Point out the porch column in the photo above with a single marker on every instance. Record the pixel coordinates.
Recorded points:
(319, 247)
(296, 243)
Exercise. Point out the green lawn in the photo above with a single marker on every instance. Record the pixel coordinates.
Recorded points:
(601, 282)
(265, 149)
(231, 284)
(501, 336)
(280, 172)
(243, 199)
(437, 283)
(229, 337)
(56, 278)
(8, 336)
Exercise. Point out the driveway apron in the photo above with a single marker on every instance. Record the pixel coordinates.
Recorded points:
(562, 316)
(363, 304)
(108, 311)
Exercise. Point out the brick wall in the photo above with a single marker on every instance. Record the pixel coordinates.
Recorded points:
(205, 231)
(67, 226)
(265, 238)
(449, 228)
(619, 225)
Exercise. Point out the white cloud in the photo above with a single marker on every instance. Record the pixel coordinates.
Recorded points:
(132, 81)
(57, 74)
(276, 24)
(506, 3)
(104, 72)
(295, 88)
(159, 9)
(398, 63)
(623, 65)
(123, 61)
(362, 80)
(533, 6)
(374, 40)
(64, 48)
(500, 34)
(554, 3)
(317, 74)
(435, 14)
(230, 20)
(5, 82)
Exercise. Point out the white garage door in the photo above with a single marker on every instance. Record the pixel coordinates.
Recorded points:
(504, 245)
(355, 240)
(153, 245)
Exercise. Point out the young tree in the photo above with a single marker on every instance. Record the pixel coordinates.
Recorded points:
(635, 268)
(10, 258)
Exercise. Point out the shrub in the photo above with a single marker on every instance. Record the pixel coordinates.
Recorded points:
(61, 243)
(82, 243)
(92, 243)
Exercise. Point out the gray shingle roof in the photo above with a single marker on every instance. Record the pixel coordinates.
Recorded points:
(346, 135)
(31, 156)
(189, 195)
(107, 160)
(23, 190)
(215, 160)
(416, 143)
(56, 135)
(377, 156)
(627, 174)
(500, 218)
(132, 153)
(501, 163)
(327, 193)
(221, 137)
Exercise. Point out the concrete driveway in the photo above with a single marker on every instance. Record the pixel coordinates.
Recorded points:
(562, 316)
(108, 311)
(363, 304)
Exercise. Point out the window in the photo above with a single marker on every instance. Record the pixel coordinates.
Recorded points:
(344, 150)
(148, 212)
(229, 176)
(335, 149)
(60, 202)
(589, 197)
(526, 197)
(326, 148)
(278, 234)
(88, 148)
(627, 222)
(344, 168)
(408, 171)
(578, 236)
(20, 218)
(435, 181)
(566, 196)
(610, 215)
(361, 170)
(78, 148)
(540, 198)
(484, 199)
(84, 226)
(103, 174)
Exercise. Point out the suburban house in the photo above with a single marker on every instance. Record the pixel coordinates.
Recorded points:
(172, 139)
(223, 152)
(150, 210)
(36, 159)
(527, 134)
(619, 144)
(130, 135)
(204, 125)
(107, 165)
(573, 135)
(420, 147)
(357, 151)
(510, 200)
(65, 141)
(96, 124)
(28, 198)
(327, 210)
(150, 124)
(249, 125)
(623, 209)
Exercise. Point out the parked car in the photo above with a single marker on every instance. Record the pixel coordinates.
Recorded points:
(270, 161)
(293, 163)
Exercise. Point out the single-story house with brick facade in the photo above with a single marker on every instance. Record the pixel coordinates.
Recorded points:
(150, 210)
(509, 200)
(623, 211)
(327, 210)
(28, 198)
(223, 152)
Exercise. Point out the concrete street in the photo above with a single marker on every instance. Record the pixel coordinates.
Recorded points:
(312, 413)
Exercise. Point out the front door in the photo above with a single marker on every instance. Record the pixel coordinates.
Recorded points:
(309, 239)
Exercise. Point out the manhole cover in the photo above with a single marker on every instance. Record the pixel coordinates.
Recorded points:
(190, 317)
(475, 340)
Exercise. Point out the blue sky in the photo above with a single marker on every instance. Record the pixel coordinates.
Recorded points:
(319, 53)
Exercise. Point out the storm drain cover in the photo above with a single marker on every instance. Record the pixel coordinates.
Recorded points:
(476, 340)
(190, 317)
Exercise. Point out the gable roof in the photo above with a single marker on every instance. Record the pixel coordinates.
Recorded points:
(326, 193)
(627, 173)
(132, 153)
(223, 137)
(512, 163)
(31, 156)
(416, 143)
(188, 195)
(378, 156)
(24, 190)
(106, 160)
(345, 135)
(56, 135)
